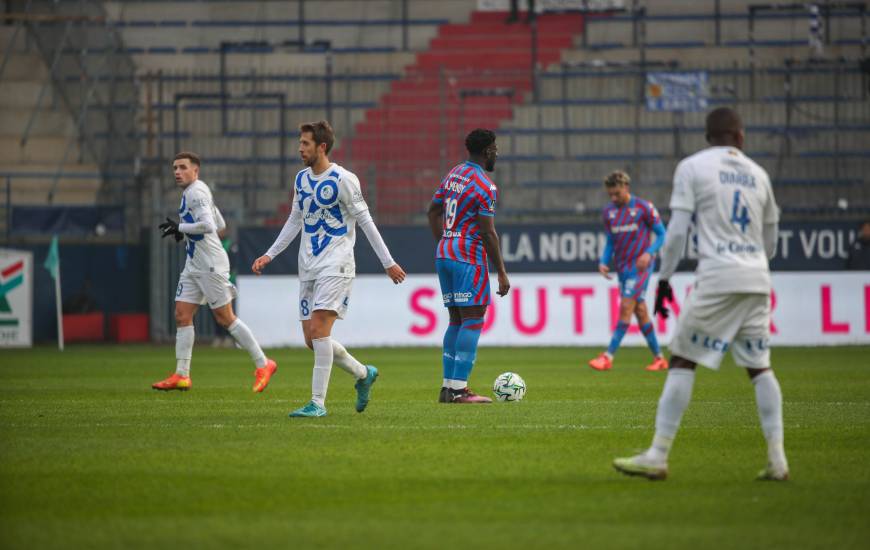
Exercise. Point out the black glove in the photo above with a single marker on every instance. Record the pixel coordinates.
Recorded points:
(663, 292)
(170, 227)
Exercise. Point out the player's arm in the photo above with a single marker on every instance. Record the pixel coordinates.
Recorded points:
(493, 250)
(770, 227)
(658, 229)
(350, 194)
(682, 207)
(201, 209)
(606, 256)
(435, 215)
(219, 220)
(291, 228)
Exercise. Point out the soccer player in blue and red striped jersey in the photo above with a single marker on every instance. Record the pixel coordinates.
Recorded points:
(629, 223)
(461, 217)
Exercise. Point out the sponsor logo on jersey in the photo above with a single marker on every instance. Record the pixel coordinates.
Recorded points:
(736, 248)
(451, 234)
(628, 228)
(461, 297)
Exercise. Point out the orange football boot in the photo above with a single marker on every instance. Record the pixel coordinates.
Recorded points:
(659, 363)
(602, 362)
(262, 376)
(174, 382)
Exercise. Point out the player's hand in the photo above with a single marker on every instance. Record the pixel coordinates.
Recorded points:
(604, 270)
(260, 263)
(170, 227)
(663, 292)
(644, 261)
(396, 273)
(504, 285)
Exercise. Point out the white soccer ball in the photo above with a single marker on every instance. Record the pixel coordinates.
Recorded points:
(509, 386)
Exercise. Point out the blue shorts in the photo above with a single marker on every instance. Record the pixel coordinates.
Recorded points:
(633, 285)
(462, 284)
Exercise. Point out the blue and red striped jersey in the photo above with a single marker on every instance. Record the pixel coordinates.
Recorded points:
(629, 228)
(465, 192)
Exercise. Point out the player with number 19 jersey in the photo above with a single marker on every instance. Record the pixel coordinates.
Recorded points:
(465, 193)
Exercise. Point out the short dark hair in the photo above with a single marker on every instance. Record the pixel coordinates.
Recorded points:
(478, 140)
(192, 157)
(617, 177)
(723, 122)
(321, 131)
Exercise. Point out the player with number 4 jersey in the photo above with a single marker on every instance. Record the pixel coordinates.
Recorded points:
(728, 310)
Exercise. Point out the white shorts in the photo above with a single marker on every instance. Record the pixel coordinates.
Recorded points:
(712, 324)
(329, 293)
(214, 289)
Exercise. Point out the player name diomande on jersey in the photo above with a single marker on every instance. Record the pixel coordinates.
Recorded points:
(737, 178)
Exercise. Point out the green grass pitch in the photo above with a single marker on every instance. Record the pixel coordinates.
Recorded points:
(90, 456)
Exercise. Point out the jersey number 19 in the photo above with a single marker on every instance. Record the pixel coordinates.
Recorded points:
(450, 215)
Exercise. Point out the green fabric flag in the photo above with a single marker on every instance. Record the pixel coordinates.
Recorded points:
(53, 260)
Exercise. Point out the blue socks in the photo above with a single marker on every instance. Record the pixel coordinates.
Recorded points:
(449, 355)
(618, 334)
(466, 349)
(651, 339)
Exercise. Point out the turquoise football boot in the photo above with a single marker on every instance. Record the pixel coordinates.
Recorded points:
(364, 388)
(310, 410)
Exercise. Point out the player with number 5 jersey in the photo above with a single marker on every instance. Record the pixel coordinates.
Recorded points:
(461, 219)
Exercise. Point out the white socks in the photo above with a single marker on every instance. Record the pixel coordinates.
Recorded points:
(675, 398)
(322, 368)
(184, 337)
(768, 397)
(245, 338)
(347, 362)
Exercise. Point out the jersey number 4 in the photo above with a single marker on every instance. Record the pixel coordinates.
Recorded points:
(739, 213)
(450, 212)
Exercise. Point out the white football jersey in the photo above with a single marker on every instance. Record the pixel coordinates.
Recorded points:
(732, 199)
(204, 252)
(328, 204)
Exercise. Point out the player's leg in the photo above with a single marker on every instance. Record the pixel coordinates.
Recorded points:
(242, 334)
(751, 351)
(646, 328)
(448, 354)
(676, 394)
(471, 297)
(466, 354)
(445, 270)
(317, 330)
(627, 303)
(188, 297)
(306, 301)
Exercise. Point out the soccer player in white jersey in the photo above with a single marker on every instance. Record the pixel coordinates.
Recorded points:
(729, 307)
(328, 205)
(205, 277)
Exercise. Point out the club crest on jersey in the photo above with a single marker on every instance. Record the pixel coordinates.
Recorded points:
(322, 215)
(632, 212)
(612, 214)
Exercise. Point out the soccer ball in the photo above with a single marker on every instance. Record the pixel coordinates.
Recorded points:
(509, 386)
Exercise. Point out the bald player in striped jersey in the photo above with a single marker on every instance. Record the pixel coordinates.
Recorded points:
(461, 217)
(629, 223)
